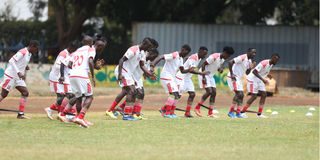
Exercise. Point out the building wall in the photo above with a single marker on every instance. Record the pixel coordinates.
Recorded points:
(298, 46)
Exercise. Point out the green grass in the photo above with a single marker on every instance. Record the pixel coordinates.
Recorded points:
(283, 136)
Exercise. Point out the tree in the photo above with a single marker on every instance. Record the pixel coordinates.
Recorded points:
(37, 7)
(70, 16)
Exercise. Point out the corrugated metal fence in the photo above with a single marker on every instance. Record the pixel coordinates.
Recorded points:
(298, 46)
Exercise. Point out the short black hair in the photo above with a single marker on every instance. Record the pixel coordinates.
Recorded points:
(186, 47)
(34, 43)
(229, 50)
(100, 38)
(249, 49)
(154, 51)
(203, 48)
(147, 39)
(154, 42)
(276, 54)
(74, 44)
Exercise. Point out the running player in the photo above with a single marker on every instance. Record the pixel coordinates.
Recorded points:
(14, 75)
(82, 61)
(173, 62)
(124, 73)
(238, 66)
(185, 81)
(256, 83)
(212, 64)
(111, 111)
(59, 79)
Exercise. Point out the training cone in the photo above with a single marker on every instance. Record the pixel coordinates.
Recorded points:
(215, 111)
(268, 110)
(312, 109)
(292, 111)
(309, 114)
(274, 112)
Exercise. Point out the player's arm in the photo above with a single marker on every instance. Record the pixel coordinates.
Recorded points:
(61, 79)
(192, 70)
(13, 61)
(144, 69)
(91, 67)
(155, 62)
(250, 68)
(255, 72)
(123, 59)
(182, 70)
(231, 63)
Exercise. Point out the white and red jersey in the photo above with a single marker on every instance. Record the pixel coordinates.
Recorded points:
(263, 69)
(138, 72)
(18, 63)
(240, 66)
(172, 64)
(80, 61)
(214, 63)
(192, 61)
(62, 58)
(134, 56)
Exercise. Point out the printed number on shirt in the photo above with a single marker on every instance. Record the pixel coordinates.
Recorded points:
(78, 60)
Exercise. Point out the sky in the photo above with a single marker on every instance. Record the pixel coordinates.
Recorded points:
(21, 9)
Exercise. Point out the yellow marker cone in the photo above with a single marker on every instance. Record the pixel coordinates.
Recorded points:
(292, 111)
(269, 110)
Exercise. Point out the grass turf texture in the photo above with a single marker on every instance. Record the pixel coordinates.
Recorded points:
(283, 136)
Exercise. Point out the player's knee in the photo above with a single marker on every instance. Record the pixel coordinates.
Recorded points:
(69, 95)
(263, 94)
(254, 96)
(192, 95)
(25, 93)
(240, 95)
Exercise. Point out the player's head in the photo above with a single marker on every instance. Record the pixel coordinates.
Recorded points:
(275, 58)
(73, 46)
(100, 44)
(153, 54)
(87, 40)
(227, 52)
(202, 52)
(185, 50)
(251, 53)
(155, 43)
(146, 44)
(34, 46)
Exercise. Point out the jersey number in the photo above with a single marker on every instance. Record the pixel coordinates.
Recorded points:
(78, 60)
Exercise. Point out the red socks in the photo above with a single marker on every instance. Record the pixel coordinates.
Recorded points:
(245, 108)
(168, 110)
(238, 109)
(22, 104)
(232, 107)
(82, 114)
(54, 106)
(113, 105)
(210, 110)
(188, 110)
(123, 104)
(260, 109)
(198, 105)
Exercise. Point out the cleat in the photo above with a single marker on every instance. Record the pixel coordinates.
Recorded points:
(22, 116)
(120, 110)
(138, 117)
(81, 122)
(167, 116)
(262, 116)
(231, 115)
(163, 112)
(88, 123)
(198, 113)
(244, 115)
(115, 113)
(144, 117)
(62, 118)
(110, 114)
(128, 118)
(70, 118)
(174, 116)
(49, 112)
(188, 116)
(239, 115)
(212, 116)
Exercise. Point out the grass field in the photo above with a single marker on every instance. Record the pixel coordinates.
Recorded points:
(283, 136)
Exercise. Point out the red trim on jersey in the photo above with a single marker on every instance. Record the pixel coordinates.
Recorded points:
(169, 87)
(124, 69)
(65, 88)
(63, 54)
(179, 78)
(59, 82)
(251, 88)
(234, 86)
(79, 77)
(215, 56)
(243, 57)
(165, 79)
(89, 87)
(8, 75)
(194, 57)
(5, 84)
(14, 59)
(134, 49)
(124, 81)
(264, 63)
(55, 88)
(23, 51)
(228, 76)
(249, 81)
(175, 54)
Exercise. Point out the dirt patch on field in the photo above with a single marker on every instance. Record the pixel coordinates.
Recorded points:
(153, 102)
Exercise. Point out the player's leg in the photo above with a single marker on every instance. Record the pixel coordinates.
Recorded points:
(263, 97)
(138, 104)
(240, 96)
(119, 97)
(4, 94)
(203, 99)
(212, 101)
(130, 99)
(191, 97)
(24, 95)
